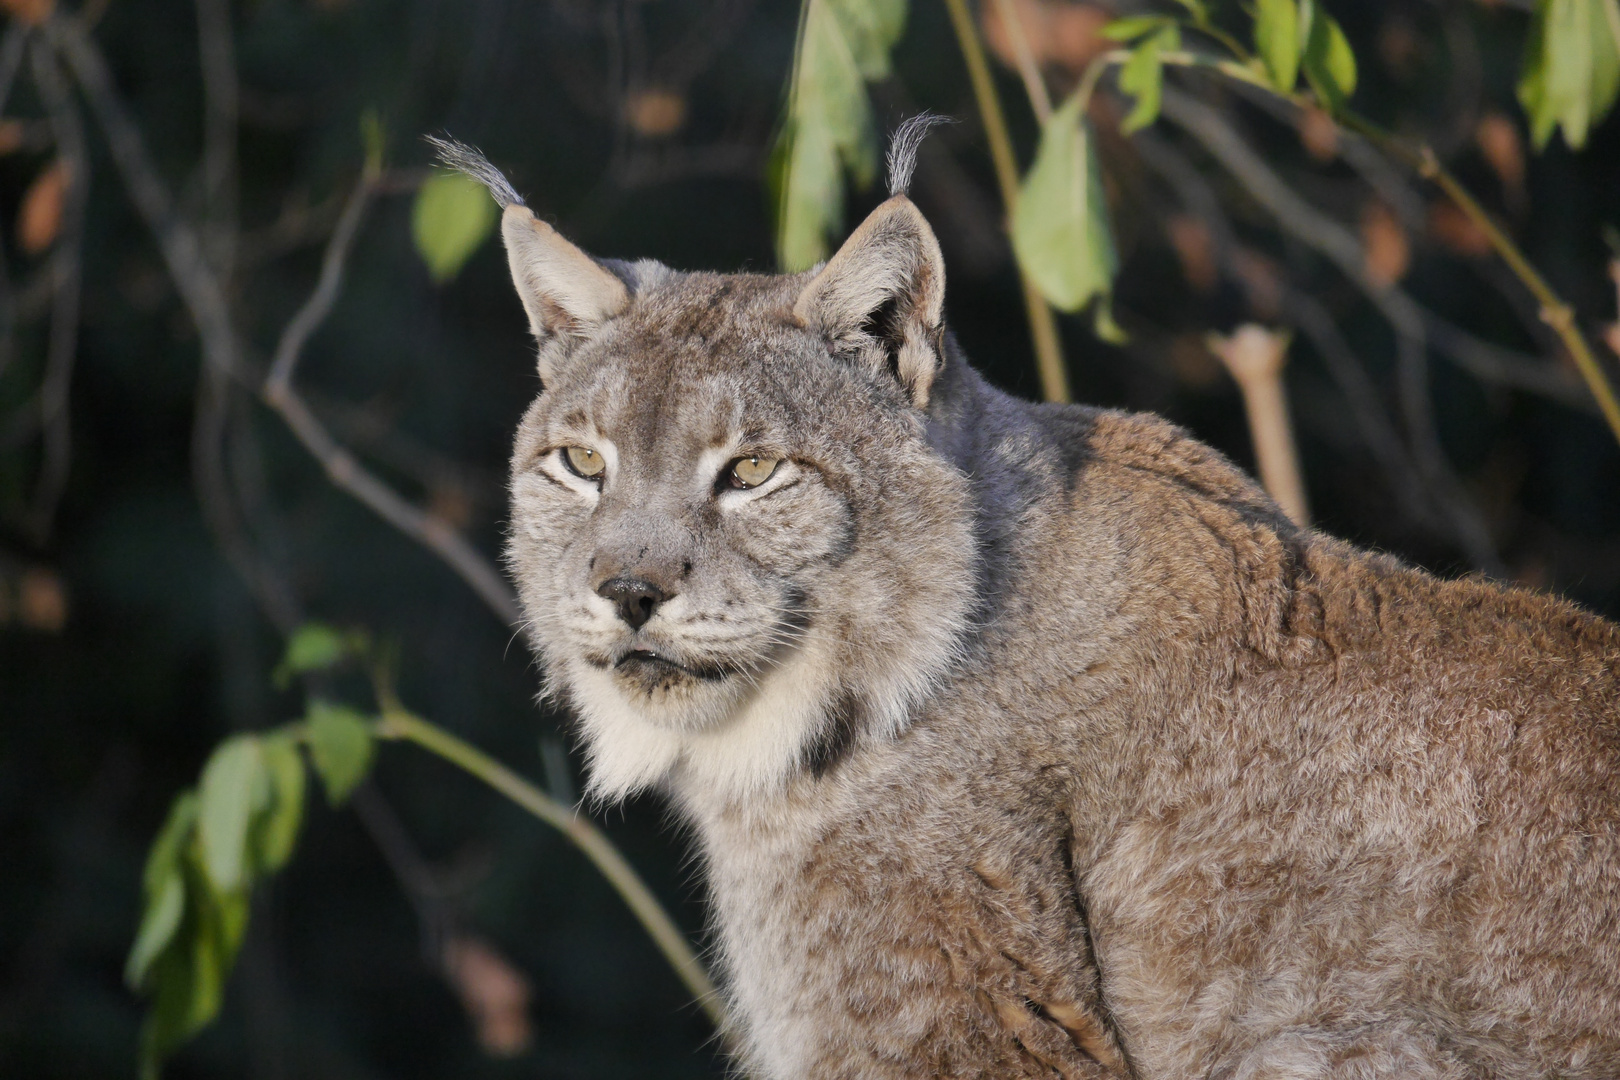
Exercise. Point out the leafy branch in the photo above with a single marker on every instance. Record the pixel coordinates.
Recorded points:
(1571, 79)
(1060, 230)
(240, 824)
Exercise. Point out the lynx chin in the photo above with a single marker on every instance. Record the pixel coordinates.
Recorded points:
(1031, 741)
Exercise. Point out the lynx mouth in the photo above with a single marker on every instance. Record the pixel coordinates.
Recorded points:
(645, 663)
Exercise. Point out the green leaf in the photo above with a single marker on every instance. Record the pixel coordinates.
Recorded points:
(1060, 228)
(189, 977)
(1571, 70)
(170, 842)
(159, 922)
(235, 788)
(275, 832)
(1328, 61)
(372, 137)
(828, 129)
(340, 743)
(163, 890)
(1134, 26)
(872, 27)
(453, 215)
(1143, 78)
(1276, 39)
(1196, 9)
(314, 646)
(810, 195)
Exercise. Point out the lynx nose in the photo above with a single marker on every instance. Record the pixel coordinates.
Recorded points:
(636, 599)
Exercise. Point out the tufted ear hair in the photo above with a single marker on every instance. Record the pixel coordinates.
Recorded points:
(882, 297)
(564, 290)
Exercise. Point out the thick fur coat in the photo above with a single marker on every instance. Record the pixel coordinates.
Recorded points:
(1026, 740)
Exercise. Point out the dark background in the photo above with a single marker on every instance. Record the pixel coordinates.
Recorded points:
(129, 646)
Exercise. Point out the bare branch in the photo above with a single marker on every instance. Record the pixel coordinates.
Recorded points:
(1406, 318)
(177, 241)
(203, 295)
(1481, 359)
(216, 49)
(11, 58)
(66, 263)
(1256, 357)
(1315, 322)
(319, 305)
(341, 466)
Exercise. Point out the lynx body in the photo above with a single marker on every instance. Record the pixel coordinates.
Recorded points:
(1029, 740)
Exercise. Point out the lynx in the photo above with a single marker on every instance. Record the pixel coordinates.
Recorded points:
(1030, 740)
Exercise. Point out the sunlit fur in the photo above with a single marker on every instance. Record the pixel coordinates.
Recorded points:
(786, 596)
(1034, 741)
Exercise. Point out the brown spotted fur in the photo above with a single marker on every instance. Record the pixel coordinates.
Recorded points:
(1100, 767)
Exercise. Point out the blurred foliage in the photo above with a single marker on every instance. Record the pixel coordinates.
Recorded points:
(828, 130)
(428, 928)
(452, 217)
(1060, 228)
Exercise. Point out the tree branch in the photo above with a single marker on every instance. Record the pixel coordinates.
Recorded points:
(204, 297)
(65, 272)
(398, 723)
(1343, 249)
(1042, 322)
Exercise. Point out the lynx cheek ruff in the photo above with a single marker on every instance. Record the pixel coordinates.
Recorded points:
(1023, 741)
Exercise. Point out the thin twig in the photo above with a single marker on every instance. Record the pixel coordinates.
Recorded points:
(177, 241)
(342, 468)
(1034, 85)
(1311, 317)
(435, 915)
(1558, 313)
(398, 723)
(66, 264)
(1042, 323)
(1344, 250)
(201, 291)
(1491, 363)
(12, 48)
(216, 51)
(11, 58)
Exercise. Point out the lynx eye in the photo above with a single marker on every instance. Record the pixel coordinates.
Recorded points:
(583, 462)
(752, 471)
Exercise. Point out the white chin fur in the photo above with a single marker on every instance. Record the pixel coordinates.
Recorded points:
(747, 741)
(751, 750)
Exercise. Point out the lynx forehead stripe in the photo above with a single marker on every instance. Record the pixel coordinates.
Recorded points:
(1028, 741)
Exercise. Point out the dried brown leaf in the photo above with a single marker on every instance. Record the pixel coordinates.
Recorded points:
(1261, 279)
(1059, 32)
(1457, 231)
(11, 135)
(1196, 250)
(28, 12)
(1318, 134)
(655, 112)
(1386, 250)
(39, 218)
(42, 601)
(1499, 142)
(450, 505)
(494, 993)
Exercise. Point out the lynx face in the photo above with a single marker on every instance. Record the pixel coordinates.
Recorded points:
(734, 546)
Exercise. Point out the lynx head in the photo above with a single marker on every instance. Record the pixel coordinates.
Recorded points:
(735, 550)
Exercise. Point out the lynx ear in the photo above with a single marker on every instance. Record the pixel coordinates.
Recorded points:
(564, 290)
(883, 296)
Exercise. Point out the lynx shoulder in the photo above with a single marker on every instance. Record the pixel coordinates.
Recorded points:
(1028, 740)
